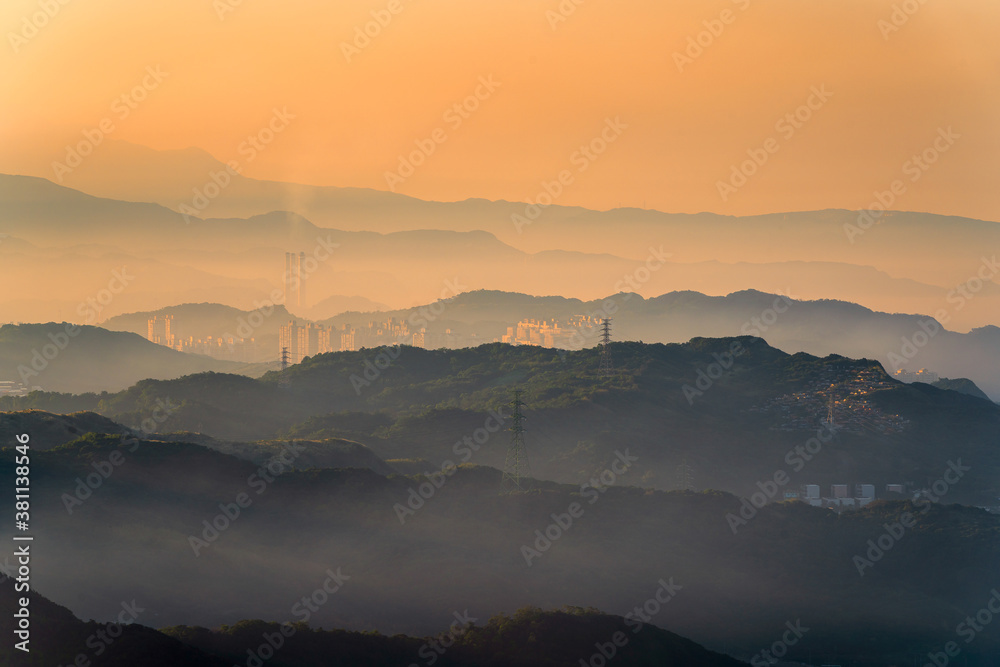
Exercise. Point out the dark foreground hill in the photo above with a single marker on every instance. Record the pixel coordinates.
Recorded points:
(732, 419)
(57, 637)
(530, 638)
(197, 537)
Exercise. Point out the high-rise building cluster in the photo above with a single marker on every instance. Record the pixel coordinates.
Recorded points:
(553, 333)
(840, 496)
(161, 329)
(227, 348)
(158, 330)
(306, 340)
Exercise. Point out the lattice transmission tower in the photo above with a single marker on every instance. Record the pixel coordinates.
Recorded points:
(283, 382)
(515, 469)
(606, 369)
(685, 476)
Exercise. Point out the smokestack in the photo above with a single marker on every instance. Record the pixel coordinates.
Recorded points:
(301, 283)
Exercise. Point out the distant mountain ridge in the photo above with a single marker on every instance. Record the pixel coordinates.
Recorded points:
(66, 358)
(961, 385)
(819, 327)
(239, 260)
(170, 178)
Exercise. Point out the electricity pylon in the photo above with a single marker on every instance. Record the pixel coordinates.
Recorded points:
(685, 478)
(515, 469)
(605, 369)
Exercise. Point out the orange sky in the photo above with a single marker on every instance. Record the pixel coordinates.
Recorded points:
(558, 86)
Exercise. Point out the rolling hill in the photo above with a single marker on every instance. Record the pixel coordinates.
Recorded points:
(733, 429)
(147, 534)
(69, 358)
(554, 638)
(818, 327)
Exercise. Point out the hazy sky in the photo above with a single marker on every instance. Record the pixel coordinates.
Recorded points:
(682, 123)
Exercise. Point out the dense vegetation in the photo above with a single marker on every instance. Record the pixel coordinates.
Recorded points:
(529, 638)
(423, 402)
(463, 548)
